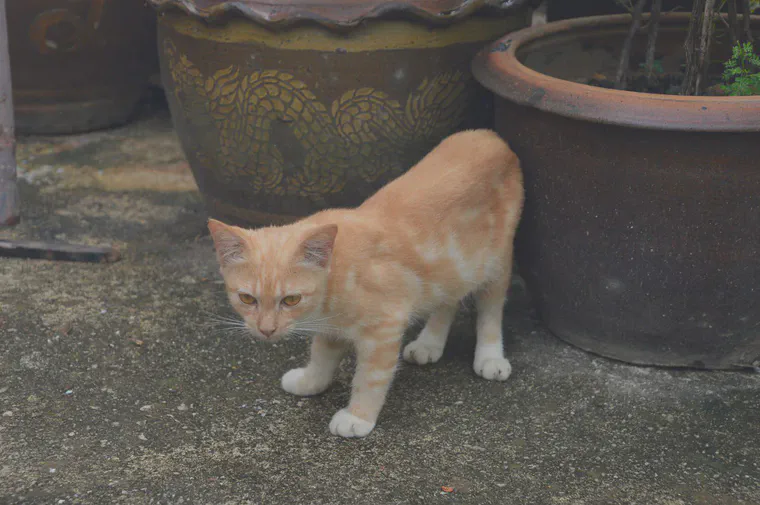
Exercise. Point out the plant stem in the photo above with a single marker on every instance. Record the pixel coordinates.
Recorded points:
(746, 11)
(625, 56)
(690, 47)
(654, 27)
(733, 23)
(697, 46)
(705, 43)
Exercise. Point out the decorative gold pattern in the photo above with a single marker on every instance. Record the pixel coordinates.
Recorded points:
(361, 133)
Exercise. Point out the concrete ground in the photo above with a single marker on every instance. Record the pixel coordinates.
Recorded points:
(116, 389)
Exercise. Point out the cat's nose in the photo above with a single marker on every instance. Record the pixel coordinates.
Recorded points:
(267, 332)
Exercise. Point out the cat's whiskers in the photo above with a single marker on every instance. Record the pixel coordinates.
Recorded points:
(229, 326)
(214, 324)
(225, 325)
(320, 323)
(311, 326)
(216, 319)
(316, 329)
(237, 332)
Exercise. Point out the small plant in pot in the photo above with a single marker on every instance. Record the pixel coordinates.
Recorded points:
(698, 75)
(639, 235)
(742, 74)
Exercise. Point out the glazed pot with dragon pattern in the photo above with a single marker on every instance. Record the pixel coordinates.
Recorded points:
(281, 119)
(79, 65)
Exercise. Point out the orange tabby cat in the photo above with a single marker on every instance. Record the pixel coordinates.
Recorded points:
(356, 277)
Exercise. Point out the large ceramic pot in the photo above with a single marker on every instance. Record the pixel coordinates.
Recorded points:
(639, 239)
(79, 65)
(565, 10)
(281, 119)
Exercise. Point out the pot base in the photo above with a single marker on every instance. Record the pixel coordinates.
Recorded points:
(74, 117)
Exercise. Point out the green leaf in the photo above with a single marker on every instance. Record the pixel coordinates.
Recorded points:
(741, 73)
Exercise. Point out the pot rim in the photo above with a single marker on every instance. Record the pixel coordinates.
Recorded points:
(498, 69)
(336, 14)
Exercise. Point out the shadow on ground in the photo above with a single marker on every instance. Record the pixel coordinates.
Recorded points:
(114, 388)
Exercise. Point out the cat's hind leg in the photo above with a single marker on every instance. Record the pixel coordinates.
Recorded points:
(428, 346)
(490, 362)
(316, 377)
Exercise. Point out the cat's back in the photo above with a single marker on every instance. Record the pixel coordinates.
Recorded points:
(451, 218)
(465, 171)
(465, 156)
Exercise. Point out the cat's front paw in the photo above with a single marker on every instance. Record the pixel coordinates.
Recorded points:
(422, 353)
(347, 425)
(493, 369)
(301, 383)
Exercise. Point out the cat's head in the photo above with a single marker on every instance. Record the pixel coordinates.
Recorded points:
(276, 278)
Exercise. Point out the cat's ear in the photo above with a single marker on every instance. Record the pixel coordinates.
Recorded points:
(229, 242)
(317, 246)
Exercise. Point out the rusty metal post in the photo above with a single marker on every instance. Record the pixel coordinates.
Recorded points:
(9, 197)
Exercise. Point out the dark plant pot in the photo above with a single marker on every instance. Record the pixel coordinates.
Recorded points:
(562, 9)
(79, 65)
(286, 110)
(639, 239)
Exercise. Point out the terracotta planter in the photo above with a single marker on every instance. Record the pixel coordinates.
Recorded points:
(79, 65)
(280, 120)
(566, 10)
(640, 234)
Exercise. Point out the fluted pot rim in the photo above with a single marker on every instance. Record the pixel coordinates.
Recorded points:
(337, 14)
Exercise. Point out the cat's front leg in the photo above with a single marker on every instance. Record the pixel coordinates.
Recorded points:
(490, 362)
(377, 355)
(317, 375)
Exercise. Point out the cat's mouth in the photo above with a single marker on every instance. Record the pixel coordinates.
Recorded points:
(269, 339)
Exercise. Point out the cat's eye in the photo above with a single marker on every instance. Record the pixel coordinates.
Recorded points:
(291, 300)
(247, 299)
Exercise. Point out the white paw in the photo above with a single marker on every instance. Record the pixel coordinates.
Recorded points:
(493, 369)
(345, 424)
(422, 353)
(298, 382)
